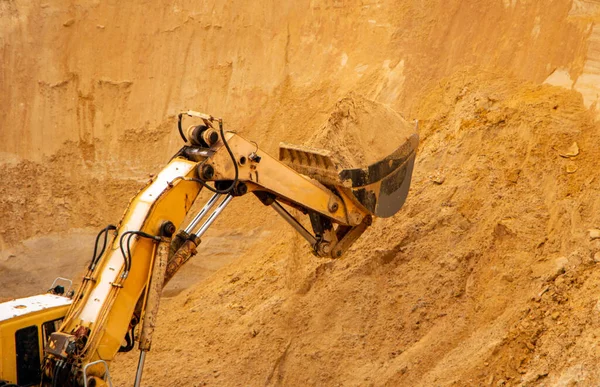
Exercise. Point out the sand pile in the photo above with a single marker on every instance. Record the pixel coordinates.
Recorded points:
(486, 277)
(360, 132)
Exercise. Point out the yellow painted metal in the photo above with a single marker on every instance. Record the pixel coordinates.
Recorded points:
(110, 324)
(108, 331)
(288, 185)
(8, 329)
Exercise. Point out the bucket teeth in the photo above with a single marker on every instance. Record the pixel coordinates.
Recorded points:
(318, 164)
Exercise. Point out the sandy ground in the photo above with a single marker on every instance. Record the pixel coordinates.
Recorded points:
(487, 276)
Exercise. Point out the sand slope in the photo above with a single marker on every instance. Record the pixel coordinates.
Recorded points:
(485, 277)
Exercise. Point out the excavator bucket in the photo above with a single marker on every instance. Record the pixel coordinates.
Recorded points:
(381, 188)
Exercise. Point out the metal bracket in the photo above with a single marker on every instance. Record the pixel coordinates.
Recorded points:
(351, 235)
(59, 279)
(311, 239)
(210, 204)
(107, 372)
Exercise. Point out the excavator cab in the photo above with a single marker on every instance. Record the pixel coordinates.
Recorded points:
(380, 188)
(25, 326)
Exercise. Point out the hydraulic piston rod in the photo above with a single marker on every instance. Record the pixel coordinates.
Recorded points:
(294, 223)
(140, 369)
(188, 249)
(213, 216)
(152, 303)
(210, 204)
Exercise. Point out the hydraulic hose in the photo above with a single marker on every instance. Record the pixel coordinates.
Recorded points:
(95, 257)
(235, 166)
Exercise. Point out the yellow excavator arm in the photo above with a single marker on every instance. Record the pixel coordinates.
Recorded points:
(136, 258)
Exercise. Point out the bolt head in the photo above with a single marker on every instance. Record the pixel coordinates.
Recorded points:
(333, 207)
(208, 172)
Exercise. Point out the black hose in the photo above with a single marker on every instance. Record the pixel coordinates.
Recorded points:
(129, 339)
(180, 128)
(91, 266)
(125, 256)
(55, 375)
(95, 257)
(108, 228)
(127, 252)
(235, 166)
(128, 247)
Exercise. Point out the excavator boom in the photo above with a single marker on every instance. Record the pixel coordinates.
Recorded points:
(120, 291)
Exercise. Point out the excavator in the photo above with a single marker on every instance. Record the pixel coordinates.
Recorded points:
(69, 339)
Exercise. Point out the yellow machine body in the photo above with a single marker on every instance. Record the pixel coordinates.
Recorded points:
(25, 325)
